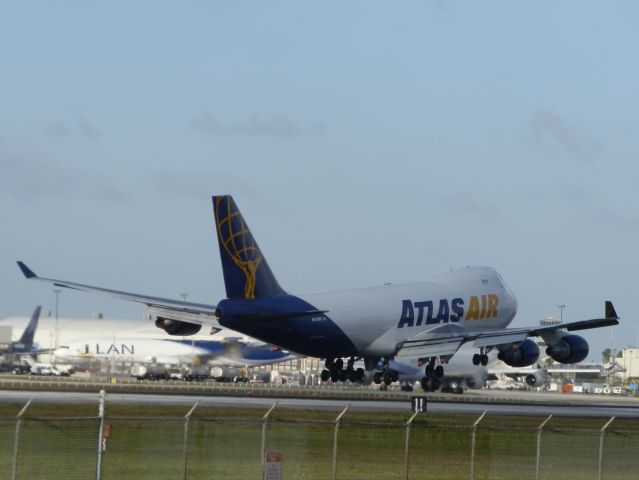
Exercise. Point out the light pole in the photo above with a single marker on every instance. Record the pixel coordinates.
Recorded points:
(561, 312)
(184, 296)
(57, 292)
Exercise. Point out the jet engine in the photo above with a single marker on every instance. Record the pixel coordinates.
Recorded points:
(569, 349)
(534, 379)
(176, 327)
(521, 354)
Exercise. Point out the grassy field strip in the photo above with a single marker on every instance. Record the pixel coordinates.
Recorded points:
(146, 442)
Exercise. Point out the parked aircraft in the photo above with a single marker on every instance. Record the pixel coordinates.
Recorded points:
(225, 351)
(460, 372)
(532, 375)
(25, 344)
(421, 324)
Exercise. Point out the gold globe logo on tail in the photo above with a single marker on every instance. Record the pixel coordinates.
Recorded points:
(238, 243)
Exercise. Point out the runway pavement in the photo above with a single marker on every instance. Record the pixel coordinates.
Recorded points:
(592, 409)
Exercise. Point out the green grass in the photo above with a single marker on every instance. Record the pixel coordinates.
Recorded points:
(224, 443)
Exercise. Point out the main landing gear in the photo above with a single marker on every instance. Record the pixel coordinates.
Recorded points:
(481, 357)
(387, 375)
(335, 371)
(434, 373)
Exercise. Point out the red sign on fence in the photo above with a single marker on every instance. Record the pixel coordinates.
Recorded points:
(273, 466)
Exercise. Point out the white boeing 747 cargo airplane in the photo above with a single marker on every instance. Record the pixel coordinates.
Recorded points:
(420, 324)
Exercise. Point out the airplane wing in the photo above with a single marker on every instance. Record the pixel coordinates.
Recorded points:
(199, 313)
(443, 341)
(513, 335)
(446, 340)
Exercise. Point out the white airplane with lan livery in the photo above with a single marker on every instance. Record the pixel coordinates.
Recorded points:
(225, 351)
(420, 324)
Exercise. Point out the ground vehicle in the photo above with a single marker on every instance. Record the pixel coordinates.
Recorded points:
(197, 372)
(45, 369)
(149, 372)
(23, 369)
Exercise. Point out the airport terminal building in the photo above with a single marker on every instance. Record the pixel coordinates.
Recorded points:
(629, 360)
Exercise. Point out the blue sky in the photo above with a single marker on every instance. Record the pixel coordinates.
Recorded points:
(365, 142)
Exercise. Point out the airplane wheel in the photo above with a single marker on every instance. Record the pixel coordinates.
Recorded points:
(476, 359)
(394, 376)
(377, 378)
(339, 363)
(343, 376)
(325, 375)
(360, 374)
(484, 360)
(425, 383)
(352, 376)
(429, 370)
(334, 376)
(434, 384)
(439, 371)
(387, 379)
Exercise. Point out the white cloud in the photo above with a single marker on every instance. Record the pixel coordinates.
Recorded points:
(23, 176)
(275, 126)
(545, 126)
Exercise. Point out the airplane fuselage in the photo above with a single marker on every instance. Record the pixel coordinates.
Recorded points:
(173, 351)
(371, 322)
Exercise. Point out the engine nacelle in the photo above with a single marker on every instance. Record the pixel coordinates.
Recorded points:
(569, 349)
(176, 327)
(523, 354)
(535, 379)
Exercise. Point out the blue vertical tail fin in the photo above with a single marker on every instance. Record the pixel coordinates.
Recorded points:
(27, 336)
(246, 272)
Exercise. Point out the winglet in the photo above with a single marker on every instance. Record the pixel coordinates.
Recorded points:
(26, 271)
(610, 310)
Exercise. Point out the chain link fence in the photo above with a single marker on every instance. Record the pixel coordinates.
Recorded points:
(298, 444)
